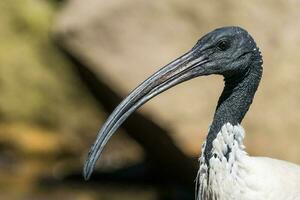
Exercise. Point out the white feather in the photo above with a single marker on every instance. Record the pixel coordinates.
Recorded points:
(243, 177)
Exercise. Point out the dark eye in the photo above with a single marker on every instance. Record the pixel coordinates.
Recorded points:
(223, 45)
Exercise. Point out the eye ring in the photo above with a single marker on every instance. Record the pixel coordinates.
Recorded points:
(223, 45)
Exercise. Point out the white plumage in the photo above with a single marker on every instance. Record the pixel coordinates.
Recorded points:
(243, 177)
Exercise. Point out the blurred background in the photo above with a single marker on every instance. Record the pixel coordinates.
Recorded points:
(65, 64)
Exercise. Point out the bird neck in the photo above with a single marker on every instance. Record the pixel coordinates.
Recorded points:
(234, 102)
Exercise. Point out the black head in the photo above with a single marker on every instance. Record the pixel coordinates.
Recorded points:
(228, 51)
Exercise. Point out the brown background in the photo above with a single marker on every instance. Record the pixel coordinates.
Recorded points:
(49, 119)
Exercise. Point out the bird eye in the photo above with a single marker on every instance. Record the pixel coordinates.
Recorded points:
(223, 45)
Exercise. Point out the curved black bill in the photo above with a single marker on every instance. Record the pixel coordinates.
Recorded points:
(182, 69)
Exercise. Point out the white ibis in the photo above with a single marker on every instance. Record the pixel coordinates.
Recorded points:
(226, 171)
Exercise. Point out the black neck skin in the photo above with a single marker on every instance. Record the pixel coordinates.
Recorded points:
(233, 103)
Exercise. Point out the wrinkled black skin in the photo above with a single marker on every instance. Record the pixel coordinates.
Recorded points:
(227, 51)
(241, 66)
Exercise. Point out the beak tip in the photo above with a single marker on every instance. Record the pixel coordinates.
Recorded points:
(86, 177)
(88, 169)
(91, 160)
(87, 172)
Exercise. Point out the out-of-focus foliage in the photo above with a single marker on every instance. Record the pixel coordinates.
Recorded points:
(36, 81)
(46, 113)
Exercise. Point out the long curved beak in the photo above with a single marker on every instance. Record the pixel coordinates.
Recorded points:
(182, 69)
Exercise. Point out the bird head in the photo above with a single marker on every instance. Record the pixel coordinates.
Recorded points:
(227, 51)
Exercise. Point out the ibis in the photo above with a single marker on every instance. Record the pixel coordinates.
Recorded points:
(226, 171)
